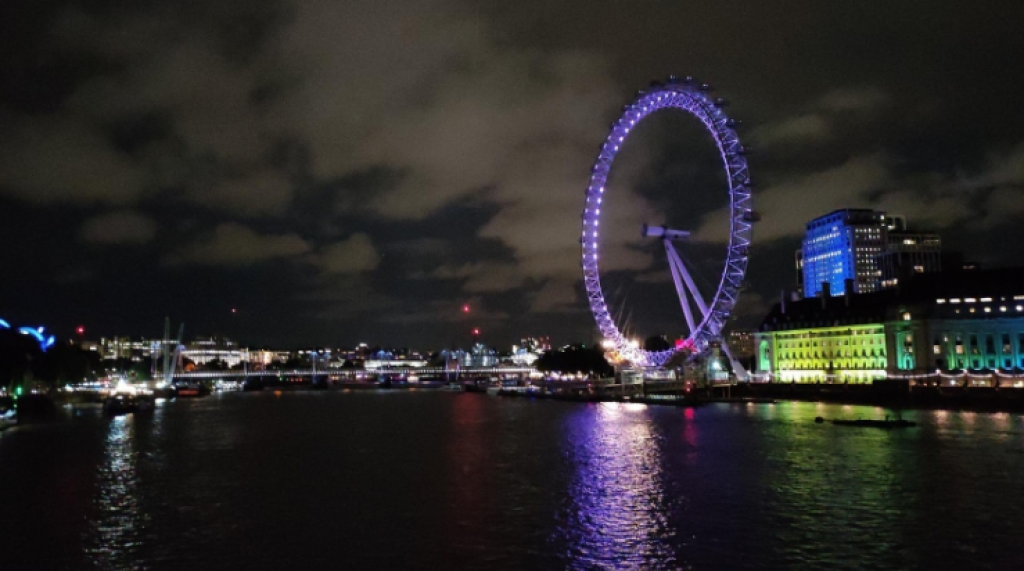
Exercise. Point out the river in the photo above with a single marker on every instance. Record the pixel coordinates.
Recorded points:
(438, 480)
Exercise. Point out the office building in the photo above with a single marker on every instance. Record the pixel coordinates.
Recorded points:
(841, 246)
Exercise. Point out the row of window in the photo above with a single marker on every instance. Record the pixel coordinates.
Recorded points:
(832, 354)
(861, 364)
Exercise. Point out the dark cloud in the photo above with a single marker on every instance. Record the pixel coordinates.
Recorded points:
(232, 244)
(373, 164)
(122, 227)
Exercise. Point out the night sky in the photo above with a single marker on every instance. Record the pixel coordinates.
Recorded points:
(357, 171)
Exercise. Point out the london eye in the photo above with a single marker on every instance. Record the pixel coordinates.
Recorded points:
(704, 317)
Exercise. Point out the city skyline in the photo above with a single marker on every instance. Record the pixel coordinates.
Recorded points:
(291, 174)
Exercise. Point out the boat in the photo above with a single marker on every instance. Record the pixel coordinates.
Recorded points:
(117, 404)
(871, 422)
(123, 403)
(8, 416)
(189, 390)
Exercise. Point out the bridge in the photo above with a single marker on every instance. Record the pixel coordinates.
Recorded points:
(354, 373)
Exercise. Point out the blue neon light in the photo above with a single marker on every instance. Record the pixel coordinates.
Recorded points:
(4, 324)
(44, 342)
(32, 332)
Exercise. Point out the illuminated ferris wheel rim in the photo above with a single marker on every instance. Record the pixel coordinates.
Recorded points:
(694, 98)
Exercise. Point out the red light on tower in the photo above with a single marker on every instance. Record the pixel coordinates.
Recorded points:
(233, 310)
(476, 331)
(465, 309)
(80, 330)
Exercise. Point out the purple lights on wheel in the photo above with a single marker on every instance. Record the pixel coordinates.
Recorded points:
(693, 98)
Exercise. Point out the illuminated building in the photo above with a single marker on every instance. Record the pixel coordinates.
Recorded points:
(529, 350)
(841, 246)
(266, 356)
(931, 323)
(971, 321)
(483, 356)
(202, 351)
(125, 348)
(823, 339)
(871, 248)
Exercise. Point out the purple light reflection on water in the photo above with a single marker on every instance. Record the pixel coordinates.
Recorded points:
(619, 517)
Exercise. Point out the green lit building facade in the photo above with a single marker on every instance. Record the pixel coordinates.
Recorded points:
(946, 323)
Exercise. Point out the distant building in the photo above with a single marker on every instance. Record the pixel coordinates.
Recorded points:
(741, 343)
(909, 253)
(204, 350)
(842, 246)
(126, 348)
(930, 324)
(267, 356)
(528, 350)
(483, 356)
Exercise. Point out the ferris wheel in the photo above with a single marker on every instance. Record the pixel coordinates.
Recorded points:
(704, 317)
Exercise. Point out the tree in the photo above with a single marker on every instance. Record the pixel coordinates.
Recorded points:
(657, 343)
(216, 365)
(575, 359)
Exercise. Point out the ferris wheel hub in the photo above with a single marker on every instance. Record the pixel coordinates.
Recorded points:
(664, 232)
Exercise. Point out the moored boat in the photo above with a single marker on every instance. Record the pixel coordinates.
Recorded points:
(870, 422)
(8, 416)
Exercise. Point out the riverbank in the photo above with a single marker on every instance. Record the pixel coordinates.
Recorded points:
(891, 394)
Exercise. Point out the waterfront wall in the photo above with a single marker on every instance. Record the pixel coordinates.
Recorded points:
(891, 394)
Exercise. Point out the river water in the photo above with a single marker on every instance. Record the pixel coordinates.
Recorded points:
(438, 480)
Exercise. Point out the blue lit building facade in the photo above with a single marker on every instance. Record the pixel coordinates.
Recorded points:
(843, 245)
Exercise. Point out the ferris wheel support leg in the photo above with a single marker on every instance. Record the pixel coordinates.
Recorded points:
(675, 260)
(680, 291)
(738, 369)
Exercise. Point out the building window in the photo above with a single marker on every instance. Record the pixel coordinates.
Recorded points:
(906, 316)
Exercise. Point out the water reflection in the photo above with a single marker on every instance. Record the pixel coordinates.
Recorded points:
(470, 469)
(619, 513)
(114, 534)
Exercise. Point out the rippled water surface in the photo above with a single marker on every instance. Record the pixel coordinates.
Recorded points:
(433, 480)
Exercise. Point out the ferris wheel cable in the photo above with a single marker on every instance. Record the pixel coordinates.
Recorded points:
(698, 275)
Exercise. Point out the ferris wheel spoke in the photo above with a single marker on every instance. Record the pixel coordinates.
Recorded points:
(675, 260)
(681, 292)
